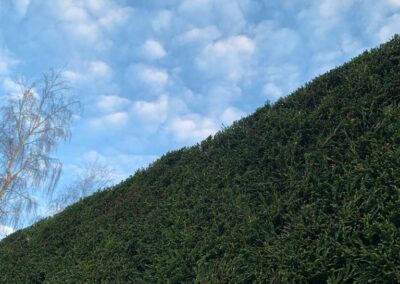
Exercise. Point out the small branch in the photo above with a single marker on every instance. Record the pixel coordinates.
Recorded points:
(331, 135)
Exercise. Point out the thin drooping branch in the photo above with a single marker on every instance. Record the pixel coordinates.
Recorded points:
(32, 124)
(93, 175)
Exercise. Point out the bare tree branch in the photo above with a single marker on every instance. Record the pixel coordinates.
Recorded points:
(32, 124)
(92, 176)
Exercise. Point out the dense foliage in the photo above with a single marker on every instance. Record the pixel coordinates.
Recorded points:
(304, 190)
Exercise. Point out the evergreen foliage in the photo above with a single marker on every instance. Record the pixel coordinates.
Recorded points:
(306, 190)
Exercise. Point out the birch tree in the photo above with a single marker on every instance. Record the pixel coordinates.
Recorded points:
(91, 176)
(32, 124)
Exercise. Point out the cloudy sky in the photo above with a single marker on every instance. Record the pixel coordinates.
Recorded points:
(154, 75)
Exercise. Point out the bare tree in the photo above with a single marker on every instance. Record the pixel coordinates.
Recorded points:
(92, 176)
(32, 124)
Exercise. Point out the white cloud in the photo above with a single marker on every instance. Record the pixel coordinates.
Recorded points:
(395, 2)
(89, 71)
(228, 57)
(274, 41)
(380, 20)
(152, 78)
(325, 15)
(117, 119)
(115, 17)
(153, 113)
(198, 11)
(7, 61)
(332, 8)
(324, 61)
(285, 77)
(272, 91)
(194, 6)
(351, 46)
(235, 44)
(228, 14)
(14, 90)
(5, 231)
(192, 128)
(99, 68)
(200, 35)
(222, 95)
(162, 21)
(90, 20)
(91, 155)
(156, 78)
(112, 103)
(72, 76)
(230, 115)
(21, 6)
(153, 50)
(345, 48)
(391, 27)
(10, 86)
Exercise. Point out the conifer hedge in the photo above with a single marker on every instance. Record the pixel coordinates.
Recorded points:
(305, 190)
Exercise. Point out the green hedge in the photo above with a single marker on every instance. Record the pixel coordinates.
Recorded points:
(306, 190)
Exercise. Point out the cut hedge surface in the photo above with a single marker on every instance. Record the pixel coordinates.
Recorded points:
(305, 190)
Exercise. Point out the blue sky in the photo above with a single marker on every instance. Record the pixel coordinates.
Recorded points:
(154, 76)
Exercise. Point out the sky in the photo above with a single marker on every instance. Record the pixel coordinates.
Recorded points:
(154, 76)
